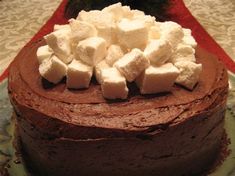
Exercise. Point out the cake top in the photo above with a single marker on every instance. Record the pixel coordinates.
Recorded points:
(119, 46)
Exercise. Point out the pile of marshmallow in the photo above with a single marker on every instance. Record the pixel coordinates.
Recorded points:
(120, 45)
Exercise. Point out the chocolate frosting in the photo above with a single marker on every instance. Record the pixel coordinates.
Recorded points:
(71, 132)
(72, 112)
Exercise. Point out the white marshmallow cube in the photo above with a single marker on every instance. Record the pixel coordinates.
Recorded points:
(184, 49)
(96, 17)
(187, 31)
(100, 66)
(114, 53)
(189, 73)
(157, 79)
(108, 33)
(118, 11)
(103, 21)
(148, 20)
(80, 30)
(91, 50)
(115, 10)
(172, 32)
(183, 52)
(53, 69)
(158, 51)
(154, 31)
(188, 38)
(113, 84)
(59, 42)
(178, 58)
(127, 12)
(43, 52)
(61, 26)
(137, 13)
(132, 33)
(78, 75)
(132, 64)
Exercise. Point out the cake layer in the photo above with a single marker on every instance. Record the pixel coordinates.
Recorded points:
(156, 155)
(78, 132)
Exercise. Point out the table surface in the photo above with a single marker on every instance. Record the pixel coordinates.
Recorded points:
(23, 18)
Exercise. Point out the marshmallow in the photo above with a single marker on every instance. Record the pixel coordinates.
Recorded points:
(127, 12)
(43, 52)
(119, 12)
(114, 53)
(148, 20)
(119, 44)
(61, 26)
(115, 10)
(137, 13)
(113, 84)
(96, 17)
(183, 52)
(91, 50)
(80, 31)
(100, 66)
(184, 49)
(109, 34)
(78, 75)
(103, 21)
(172, 32)
(188, 38)
(132, 33)
(154, 31)
(157, 79)
(132, 64)
(53, 69)
(187, 32)
(158, 51)
(177, 58)
(189, 73)
(59, 42)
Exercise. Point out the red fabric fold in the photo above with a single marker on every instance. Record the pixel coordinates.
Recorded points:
(178, 13)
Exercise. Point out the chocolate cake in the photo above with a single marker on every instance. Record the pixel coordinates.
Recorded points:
(78, 132)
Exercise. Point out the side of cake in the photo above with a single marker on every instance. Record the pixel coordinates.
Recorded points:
(161, 135)
(79, 132)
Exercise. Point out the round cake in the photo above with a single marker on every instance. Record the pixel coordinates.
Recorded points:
(79, 132)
